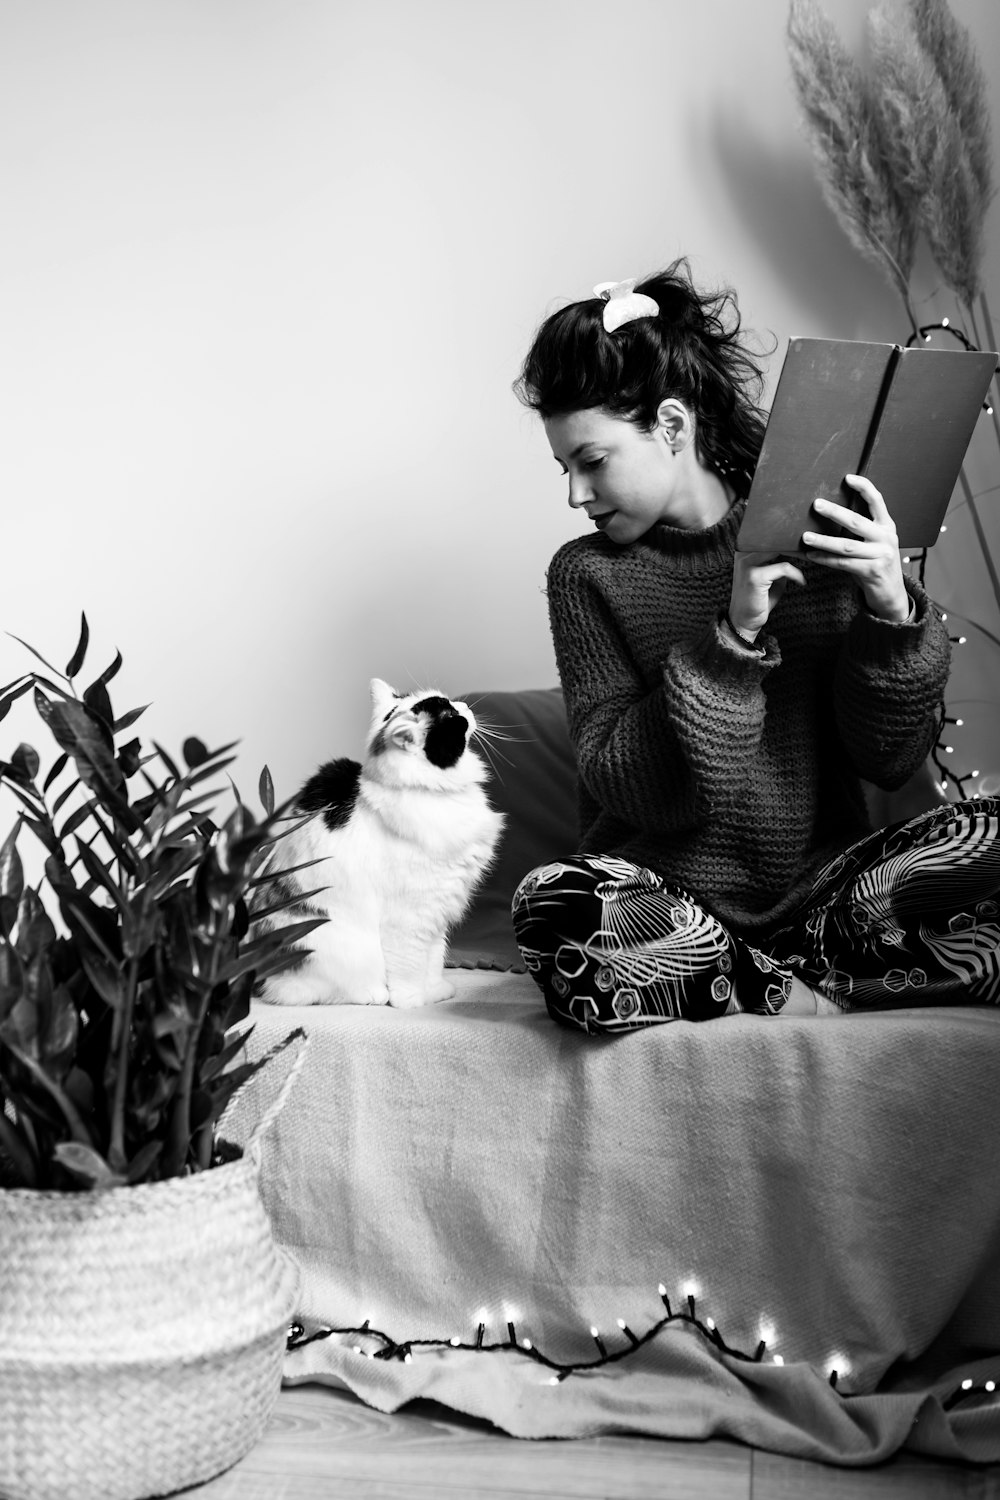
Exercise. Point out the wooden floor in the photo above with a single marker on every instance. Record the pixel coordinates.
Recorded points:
(323, 1443)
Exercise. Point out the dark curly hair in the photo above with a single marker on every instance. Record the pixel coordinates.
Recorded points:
(693, 351)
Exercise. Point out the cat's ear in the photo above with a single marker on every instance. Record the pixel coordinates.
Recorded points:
(383, 696)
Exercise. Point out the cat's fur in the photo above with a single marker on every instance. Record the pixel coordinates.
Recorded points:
(404, 839)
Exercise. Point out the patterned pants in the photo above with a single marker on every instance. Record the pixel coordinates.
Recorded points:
(909, 915)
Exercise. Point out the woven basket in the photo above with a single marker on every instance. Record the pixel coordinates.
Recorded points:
(142, 1333)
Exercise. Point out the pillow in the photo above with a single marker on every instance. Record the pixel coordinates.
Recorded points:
(533, 782)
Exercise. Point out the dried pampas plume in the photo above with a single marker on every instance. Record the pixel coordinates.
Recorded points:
(907, 149)
(844, 133)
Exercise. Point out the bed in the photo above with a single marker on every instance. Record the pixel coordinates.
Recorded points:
(784, 1233)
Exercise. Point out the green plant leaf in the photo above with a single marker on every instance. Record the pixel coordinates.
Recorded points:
(111, 671)
(98, 700)
(77, 817)
(145, 1158)
(128, 719)
(100, 875)
(289, 870)
(11, 979)
(105, 976)
(78, 731)
(265, 789)
(58, 765)
(170, 765)
(12, 693)
(130, 757)
(43, 831)
(194, 751)
(293, 900)
(35, 653)
(11, 869)
(87, 1166)
(35, 932)
(25, 762)
(76, 660)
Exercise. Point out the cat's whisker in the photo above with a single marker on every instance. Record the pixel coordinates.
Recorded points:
(491, 754)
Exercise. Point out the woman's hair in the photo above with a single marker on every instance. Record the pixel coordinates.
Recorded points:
(692, 351)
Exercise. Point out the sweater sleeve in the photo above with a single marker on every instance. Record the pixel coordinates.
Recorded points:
(665, 758)
(889, 686)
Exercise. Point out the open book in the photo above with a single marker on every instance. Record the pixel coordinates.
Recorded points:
(902, 417)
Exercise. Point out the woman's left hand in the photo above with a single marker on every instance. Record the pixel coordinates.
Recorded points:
(870, 554)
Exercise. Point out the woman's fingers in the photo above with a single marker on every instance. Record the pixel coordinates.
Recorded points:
(874, 524)
(865, 488)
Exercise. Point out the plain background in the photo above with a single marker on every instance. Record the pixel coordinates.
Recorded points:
(267, 272)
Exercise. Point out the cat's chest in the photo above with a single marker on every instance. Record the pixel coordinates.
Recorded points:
(438, 826)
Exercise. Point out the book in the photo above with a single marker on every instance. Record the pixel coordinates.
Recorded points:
(904, 418)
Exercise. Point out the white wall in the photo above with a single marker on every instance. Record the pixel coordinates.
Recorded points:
(267, 272)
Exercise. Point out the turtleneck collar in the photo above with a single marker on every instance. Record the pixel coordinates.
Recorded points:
(701, 550)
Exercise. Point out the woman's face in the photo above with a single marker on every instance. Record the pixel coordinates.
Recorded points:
(626, 478)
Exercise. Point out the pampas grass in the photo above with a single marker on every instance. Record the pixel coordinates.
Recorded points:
(906, 148)
(845, 137)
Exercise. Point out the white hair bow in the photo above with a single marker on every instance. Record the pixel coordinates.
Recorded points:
(622, 303)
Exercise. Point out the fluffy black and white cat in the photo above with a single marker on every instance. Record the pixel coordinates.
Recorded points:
(404, 839)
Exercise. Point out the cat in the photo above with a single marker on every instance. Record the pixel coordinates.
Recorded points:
(404, 838)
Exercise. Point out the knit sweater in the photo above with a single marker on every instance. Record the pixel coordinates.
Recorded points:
(733, 773)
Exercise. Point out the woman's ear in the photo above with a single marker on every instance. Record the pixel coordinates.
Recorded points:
(674, 423)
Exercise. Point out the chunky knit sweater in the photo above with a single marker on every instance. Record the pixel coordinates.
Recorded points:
(733, 773)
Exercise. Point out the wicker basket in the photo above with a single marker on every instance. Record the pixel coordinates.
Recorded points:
(142, 1332)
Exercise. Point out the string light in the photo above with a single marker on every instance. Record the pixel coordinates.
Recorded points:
(403, 1350)
(835, 1368)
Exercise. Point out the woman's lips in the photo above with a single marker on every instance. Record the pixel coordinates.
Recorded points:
(602, 520)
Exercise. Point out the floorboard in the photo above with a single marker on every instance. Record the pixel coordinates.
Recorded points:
(323, 1443)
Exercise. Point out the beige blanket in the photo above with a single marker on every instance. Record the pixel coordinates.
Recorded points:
(831, 1186)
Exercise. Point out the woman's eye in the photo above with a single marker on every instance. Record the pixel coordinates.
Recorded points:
(594, 463)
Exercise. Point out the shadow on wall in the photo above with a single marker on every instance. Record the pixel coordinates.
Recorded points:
(779, 203)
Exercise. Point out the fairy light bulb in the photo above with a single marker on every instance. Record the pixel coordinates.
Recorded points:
(991, 1386)
(966, 1385)
(777, 1359)
(945, 322)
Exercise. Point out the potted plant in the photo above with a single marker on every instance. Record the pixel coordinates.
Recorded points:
(145, 1307)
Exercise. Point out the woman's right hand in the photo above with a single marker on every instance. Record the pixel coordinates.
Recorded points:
(759, 580)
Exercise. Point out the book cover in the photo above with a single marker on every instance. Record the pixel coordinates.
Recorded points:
(903, 417)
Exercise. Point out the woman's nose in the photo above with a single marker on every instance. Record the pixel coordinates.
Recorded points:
(579, 492)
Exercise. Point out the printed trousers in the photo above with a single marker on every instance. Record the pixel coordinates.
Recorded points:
(907, 916)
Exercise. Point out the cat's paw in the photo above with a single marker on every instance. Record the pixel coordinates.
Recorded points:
(377, 995)
(405, 999)
(441, 989)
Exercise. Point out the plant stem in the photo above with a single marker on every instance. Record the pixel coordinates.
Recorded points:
(116, 1146)
(180, 1118)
